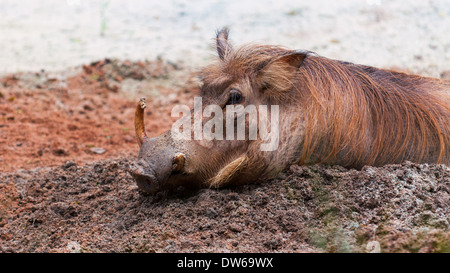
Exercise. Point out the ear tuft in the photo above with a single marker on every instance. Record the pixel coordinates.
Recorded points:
(223, 46)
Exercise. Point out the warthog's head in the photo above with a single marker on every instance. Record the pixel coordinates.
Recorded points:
(219, 144)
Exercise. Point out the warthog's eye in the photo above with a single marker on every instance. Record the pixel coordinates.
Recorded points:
(235, 97)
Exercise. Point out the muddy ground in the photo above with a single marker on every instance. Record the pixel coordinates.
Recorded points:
(66, 141)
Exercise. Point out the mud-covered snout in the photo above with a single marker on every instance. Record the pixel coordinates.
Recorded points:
(145, 178)
(155, 164)
(159, 164)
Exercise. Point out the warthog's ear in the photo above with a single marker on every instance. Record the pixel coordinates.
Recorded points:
(294, 59)
(223, 46)
(277, 75)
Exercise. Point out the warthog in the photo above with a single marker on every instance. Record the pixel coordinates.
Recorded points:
(330, 112)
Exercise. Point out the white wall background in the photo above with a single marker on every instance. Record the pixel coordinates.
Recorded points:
(56, 34)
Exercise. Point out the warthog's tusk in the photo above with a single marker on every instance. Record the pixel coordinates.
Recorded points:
(139, 122)
(228, 172)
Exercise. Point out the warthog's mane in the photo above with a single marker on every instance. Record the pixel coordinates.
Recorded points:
(359, 115)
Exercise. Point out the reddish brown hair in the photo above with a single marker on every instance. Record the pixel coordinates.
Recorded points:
(360, 115)
(354, 115)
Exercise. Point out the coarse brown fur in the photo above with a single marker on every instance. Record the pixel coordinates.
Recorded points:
(347, 114)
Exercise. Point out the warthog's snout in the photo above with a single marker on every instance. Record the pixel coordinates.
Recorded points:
(146, 180)
(157, 165)
(162, 170)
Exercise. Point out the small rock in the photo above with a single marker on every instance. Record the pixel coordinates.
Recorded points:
(235, 227)
(97, 150)
(69, 164)
(373, 247)
(73, 247)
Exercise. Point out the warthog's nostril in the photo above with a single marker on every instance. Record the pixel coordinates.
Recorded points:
(146, 182)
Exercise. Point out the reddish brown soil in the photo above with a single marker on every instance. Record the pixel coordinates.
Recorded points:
(47, 119)
(57, 194)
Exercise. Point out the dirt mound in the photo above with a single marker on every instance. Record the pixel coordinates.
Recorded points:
(98, 208)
